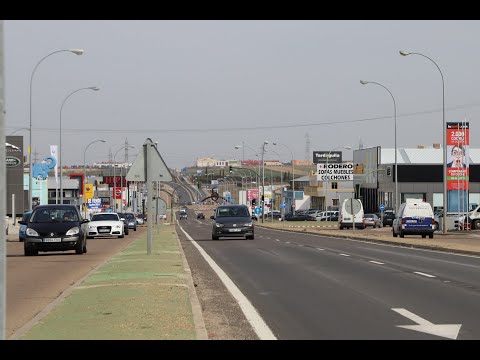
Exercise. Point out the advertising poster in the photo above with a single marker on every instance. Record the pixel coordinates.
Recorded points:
(458, 175)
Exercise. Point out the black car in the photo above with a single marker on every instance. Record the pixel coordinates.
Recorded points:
(55, 228)
(388, 216)
(200, 216)
(125, 222)
(232, 221)
(131, 221)
(299, 217)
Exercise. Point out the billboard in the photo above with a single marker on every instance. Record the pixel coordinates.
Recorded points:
(335, 172)
(320, 157)
(365, 162)
(14, 173)
(458, 174)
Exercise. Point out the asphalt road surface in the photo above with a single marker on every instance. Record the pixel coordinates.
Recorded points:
(315, 287)
(33, 282)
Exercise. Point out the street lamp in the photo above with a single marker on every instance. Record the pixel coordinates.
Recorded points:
(293, 174)
(85, 167)
(328, 157)
(94, 88)
(256, 153)
(115, 181)
(14, 131)
(363, 82)
(74, 51)
(263, 180)
(405, 53)
(281, 186)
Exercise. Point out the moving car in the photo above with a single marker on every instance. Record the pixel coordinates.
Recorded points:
(139, 219)
(232, 221)
(23, 228)
(388, 216)
(55, 228)
(415, 217)
(200, 215)
(373, 220)
(125, 223)
(183, 214)
(131, 221)
(346, 219)
(163, 216)
(106, 224)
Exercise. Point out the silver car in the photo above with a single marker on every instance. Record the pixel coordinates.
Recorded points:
(372, 220)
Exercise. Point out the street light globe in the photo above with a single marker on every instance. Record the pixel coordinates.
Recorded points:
(348, 147)
(237, 147)
(363, 82)
(94, 88)
(77, 51)
(265, 142)
(404, 53)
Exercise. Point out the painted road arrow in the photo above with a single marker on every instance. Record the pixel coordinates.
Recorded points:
(449, 331)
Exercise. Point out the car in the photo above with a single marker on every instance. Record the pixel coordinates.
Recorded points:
(415, 217)
(372, 220)
(346, 219)
(55, 228)
(200, 215)
(299, 216)
(106, 224)
(132, 224)
(125, 223)
(139, 220)
(163, 216)
(388, 216)
(23, 228)
(183, 214)
(232, 221)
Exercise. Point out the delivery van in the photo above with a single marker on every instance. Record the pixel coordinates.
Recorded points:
(345, 218)
(414, 217)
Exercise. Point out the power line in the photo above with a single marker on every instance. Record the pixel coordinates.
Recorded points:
(250, 128)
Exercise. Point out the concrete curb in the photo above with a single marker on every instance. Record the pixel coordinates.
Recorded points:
(378, 241)
(200, 328)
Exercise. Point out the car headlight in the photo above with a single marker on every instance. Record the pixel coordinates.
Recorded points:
(218, 225)
(249, 224)
(92, 227)
(31, 232)
(117, 227)
(73, 231)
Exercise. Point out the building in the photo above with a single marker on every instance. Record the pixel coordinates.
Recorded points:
(302, 162)
(211, 162)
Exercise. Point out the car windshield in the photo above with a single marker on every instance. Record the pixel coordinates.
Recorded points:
(105, 217)
(54, 214)
(129, 216)
(26, 217)
(232, 212)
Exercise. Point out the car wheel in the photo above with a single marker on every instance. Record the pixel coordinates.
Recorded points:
(476, 225)
(430, 236)
(135, 228)
(85, 247)
(250, 237)
(402, 235)
(29, 250)
(79, 248)
(121, 236)
(394, 233)
(214, 237)
(436, 226)
(424, 236)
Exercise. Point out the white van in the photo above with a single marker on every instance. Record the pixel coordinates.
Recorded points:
(414, 217)
(345, 218)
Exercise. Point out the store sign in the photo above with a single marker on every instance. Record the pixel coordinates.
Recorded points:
(458, 167)
(335, 172)
(320, 157)
(11, 161)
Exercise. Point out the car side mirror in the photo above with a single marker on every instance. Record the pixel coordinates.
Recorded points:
(22, 222)
(212, 217)
(122, 219)
(85, 221)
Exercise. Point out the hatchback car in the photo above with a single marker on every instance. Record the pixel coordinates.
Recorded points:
(388, 216)
(232, 221)
(125, 222)
(55, 228)
(372, 220)
(132, 223)
(23, 228)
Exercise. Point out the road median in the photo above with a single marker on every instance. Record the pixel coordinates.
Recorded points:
(132, 296)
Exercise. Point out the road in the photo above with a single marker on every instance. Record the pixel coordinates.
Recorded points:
(315, 287)
(34, 282)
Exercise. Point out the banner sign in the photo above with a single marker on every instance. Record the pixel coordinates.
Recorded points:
(320, 157)
(252, 194)
(458, 171)
(94, 203)
(335, 172)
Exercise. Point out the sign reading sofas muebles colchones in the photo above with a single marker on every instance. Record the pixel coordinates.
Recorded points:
(335, 172)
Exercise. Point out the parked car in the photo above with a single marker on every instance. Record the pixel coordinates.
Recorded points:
(132, 223)
(373, 220)
(388, 216)
(200, 215)
(55, 228)
(23, 228)
(163, 216)
(125, 223)
(327, 216)
(415, 217)
(139, 220)
(346, 219)
(232, 221)
(106, 224)
(299, 216)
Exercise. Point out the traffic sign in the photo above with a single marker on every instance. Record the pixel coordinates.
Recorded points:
(381, 207)
(283, 205)
(94, 203)
(258, 210)
(160, 171)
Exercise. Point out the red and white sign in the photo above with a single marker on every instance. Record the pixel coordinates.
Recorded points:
(117, 192)
(458, 141)
(252, 194)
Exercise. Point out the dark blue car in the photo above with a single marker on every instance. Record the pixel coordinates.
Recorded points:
(23, 228)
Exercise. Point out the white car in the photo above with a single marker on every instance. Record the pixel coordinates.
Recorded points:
(105, 224)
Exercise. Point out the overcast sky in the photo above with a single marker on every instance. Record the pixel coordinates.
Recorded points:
(214, 84)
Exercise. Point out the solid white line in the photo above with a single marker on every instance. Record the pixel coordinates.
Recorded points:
(287, 242)
(423, 274)
(376, 262)
(320, 249)
(277, 240)
(344, 254)
(261, 328)
(300, 245)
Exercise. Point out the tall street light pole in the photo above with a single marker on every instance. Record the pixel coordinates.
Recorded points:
(20, 129)
(85, 168)
(363, 82)
(94, 88)
(293, 175)
(405, 53)
(115, 181)
(263, 180)
(74, 51)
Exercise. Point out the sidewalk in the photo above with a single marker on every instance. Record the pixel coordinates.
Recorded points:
(455, 241)
(132, 296)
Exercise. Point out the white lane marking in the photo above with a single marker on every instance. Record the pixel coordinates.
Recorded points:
(287, 242)
(449, 331)
(261, 328)
(300, 245)
(376, 262)
(320, 249)
(344, 254)
(277, 240)
(269, 238)
(423, 274)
